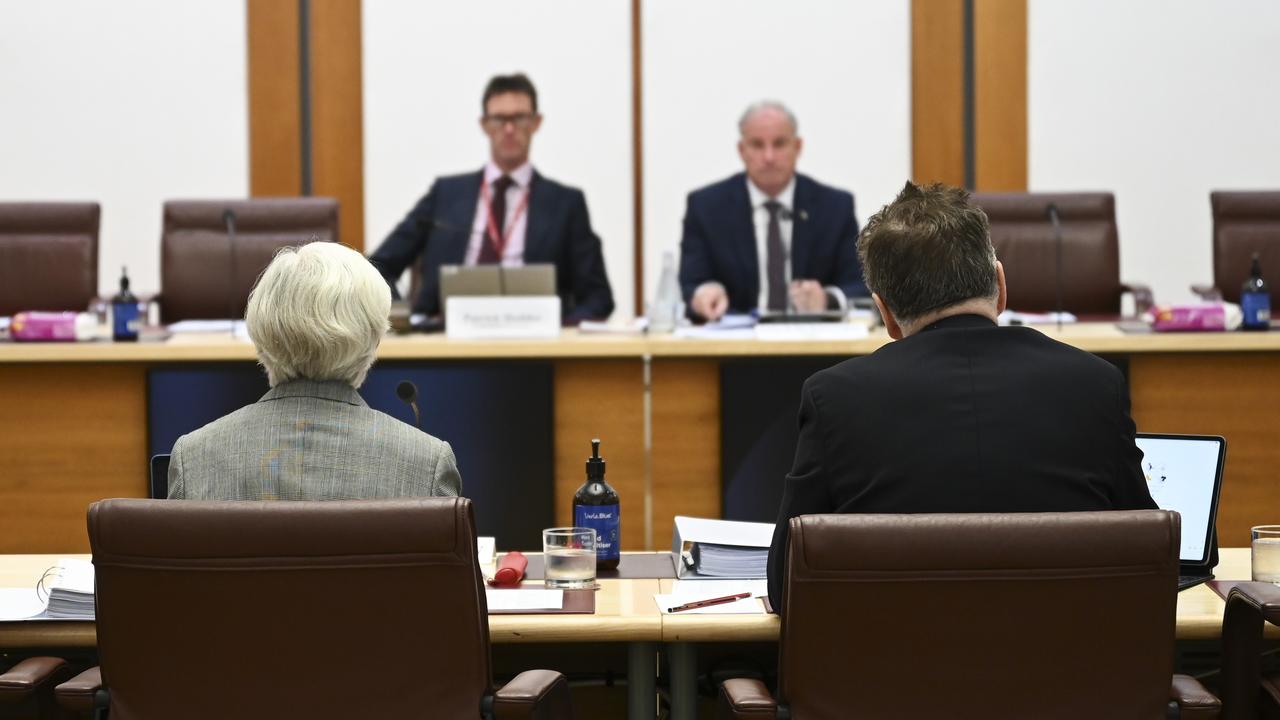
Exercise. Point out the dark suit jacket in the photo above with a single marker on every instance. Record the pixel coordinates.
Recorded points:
(962, 417)
(438, 229)
(719, 241)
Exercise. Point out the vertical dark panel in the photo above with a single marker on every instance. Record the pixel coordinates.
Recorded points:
(637, 152)
(304, 94)
(969, 139)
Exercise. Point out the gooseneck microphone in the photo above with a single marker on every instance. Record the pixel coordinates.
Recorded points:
(1052, 213)
(229, 220)
(408, 393)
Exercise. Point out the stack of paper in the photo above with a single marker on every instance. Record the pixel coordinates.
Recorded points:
(692, 591)
(730, 561)
(71, 590)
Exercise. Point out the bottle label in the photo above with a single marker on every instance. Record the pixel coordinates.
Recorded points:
(1256, 307)
(124, 319)
(604, 519)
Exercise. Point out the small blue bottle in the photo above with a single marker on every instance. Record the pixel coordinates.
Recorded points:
(124, 311)
(1255, 299)
(596, 506)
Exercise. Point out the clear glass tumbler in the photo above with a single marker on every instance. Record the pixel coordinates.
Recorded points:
(1266, 553)
(570, 554)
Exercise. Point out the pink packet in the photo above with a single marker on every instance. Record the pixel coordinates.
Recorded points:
(1195, 317)
(52, 326)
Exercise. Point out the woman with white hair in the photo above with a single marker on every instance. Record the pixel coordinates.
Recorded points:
(316, 317)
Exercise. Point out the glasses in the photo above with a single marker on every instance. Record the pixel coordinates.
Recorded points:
(522, 121)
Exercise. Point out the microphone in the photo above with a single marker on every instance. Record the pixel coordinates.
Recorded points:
(1052, 213)
(408, 393)
(229, 221)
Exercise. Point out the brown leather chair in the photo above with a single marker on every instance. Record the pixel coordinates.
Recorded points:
(1024, 242)
(1246, 693)
(1244, 223)
(26, 689)
(1035, 615)
(341, 609)
(48, 256)
(201, 277)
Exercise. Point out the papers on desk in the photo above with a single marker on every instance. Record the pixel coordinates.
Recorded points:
(485, 549)
(687, 591)
(720, 548)
(729, 327)
(516, 599)
(596, 327)
(70, 595)
(196, 327)
(1009, 317)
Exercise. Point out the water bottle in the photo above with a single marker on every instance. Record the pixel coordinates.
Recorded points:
(665, 310)
(124, 311)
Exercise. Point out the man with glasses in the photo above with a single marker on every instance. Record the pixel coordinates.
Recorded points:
(769, 239)
(505, 214)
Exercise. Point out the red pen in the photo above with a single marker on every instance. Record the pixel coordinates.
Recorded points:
(710, 601)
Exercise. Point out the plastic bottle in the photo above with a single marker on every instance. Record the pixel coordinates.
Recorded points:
(124, 311)
(596, 506)
(665, 310)
(1255, 299)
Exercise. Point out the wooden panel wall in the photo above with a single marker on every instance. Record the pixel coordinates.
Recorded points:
(337, 107)
(1000, 93)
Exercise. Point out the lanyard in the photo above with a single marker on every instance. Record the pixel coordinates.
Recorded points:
(499, 241)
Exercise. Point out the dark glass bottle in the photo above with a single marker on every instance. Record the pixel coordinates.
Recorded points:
(596, 506)
(1255, 299)
(124, 311)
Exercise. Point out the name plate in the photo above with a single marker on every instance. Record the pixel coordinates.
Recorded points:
(491, 317)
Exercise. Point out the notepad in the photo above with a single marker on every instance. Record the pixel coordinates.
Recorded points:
(686, 591)
(534, 599)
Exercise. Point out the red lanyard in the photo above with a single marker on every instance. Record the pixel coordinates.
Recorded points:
(491, 228)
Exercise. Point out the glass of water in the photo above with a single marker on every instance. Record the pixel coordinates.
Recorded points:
(1266, 553)
(570, 554)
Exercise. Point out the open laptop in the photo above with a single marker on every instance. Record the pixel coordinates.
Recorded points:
(456, 280)
(1184, 474)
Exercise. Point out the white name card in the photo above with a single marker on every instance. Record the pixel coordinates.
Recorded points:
(490, 317)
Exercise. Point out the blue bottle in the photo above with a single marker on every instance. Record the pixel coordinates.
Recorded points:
(124, 311)
(595, 506)
(1255, 299)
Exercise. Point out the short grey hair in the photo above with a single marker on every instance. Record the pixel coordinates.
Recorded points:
(318, 312)
(756, 107)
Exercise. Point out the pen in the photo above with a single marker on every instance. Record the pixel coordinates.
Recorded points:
(709, 601)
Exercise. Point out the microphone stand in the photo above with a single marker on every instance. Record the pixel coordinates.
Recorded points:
(1052, 212)
(229, 219)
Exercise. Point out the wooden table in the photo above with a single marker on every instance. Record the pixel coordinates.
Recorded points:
(73, 418)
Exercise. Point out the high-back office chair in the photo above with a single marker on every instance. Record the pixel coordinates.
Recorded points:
(1036, 615)
(48, 256)
(26, 689)
(1244, 223)
(340, 609)
(1246, 693)
(1024, 240)
(206, 275)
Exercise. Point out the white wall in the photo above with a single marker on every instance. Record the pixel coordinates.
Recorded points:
(127, 103)
(425, 68)
(844, 68)
(1160, 102)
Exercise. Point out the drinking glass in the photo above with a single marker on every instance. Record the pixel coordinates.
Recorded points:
(1266, 553)
(570, 554)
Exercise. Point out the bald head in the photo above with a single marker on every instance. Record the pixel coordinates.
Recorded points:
(769, 145)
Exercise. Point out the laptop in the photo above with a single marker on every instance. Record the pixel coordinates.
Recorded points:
(159, 477)
(459, 280)
(1184, 474)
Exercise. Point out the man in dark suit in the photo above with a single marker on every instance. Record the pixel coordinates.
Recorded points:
(506, 213)
(957, 415)
(769, 238)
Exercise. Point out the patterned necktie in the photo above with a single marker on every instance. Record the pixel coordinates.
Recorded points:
(776, 267)
(498, 215)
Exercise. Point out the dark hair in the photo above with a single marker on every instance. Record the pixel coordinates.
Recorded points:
(501, 84)
(928, 249)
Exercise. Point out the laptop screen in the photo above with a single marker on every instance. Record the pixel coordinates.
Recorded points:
(1184, 473)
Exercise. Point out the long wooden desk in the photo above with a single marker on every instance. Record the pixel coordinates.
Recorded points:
(73, 417)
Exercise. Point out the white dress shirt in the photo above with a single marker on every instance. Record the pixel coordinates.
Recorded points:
(513, 253)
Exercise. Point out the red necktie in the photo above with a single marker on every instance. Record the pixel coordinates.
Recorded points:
(498, 216)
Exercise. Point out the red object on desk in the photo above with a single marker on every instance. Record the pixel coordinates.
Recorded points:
(510, 570)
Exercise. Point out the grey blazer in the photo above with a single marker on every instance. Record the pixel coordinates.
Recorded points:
(308, 440)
